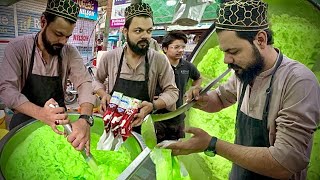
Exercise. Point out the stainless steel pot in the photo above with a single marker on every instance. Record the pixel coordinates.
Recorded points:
(8, 143)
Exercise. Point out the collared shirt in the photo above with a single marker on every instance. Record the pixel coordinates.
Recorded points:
(159, 71)
(15, 66)
(294, 111)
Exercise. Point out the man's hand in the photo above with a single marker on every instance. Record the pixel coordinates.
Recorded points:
(145, 109)
(103, 103)
(80, 136)
(197, 143)
(53, 116)
(194, 94)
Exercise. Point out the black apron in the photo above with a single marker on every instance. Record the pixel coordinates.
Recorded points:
(252, 132)
(134, 89)
(39, 89)
(171, 129)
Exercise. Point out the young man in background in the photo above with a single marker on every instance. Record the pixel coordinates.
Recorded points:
(173, 46)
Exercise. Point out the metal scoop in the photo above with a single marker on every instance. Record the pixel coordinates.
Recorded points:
(89, 159)
(147, 127)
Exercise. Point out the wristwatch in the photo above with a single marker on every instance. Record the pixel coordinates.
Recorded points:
(211, 149)
(88, 118)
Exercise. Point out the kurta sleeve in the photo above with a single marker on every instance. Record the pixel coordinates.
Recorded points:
(102, 73)
(297, 120)
(228, 92)
(11, 74)
(170, 92)
(80, 76)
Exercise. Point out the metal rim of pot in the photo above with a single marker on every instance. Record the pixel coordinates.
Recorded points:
(13, 131)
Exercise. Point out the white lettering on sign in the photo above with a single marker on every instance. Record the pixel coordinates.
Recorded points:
(86, 12)
(117, 22)
(85, 4)
(36, 23)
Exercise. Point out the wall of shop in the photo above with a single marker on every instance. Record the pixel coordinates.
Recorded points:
(23, 18)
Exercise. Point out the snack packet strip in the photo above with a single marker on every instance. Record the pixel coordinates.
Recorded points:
(125, 126)
(119, 112)
(114, 102)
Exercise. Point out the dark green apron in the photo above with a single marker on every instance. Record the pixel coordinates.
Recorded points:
(39, 89)
(134, 89)
(252, 132)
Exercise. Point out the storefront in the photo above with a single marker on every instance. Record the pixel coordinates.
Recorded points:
(23, 18)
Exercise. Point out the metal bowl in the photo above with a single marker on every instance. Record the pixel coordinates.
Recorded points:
(10, 141)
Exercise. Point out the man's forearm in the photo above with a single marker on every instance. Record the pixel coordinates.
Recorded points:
(213, 104)
(30, 109)
(101, 92)
(159, 104)
(256, 159)
(197, 82)
(86, 108)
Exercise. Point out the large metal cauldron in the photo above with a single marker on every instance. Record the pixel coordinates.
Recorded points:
(134, 144)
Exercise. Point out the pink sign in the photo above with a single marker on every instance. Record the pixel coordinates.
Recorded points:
(117, 14)
(114, 23)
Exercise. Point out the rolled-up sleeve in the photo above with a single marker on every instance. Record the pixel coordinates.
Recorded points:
(296, 122)
(228, 92)
(102, 73)
(11, 73)
(170, 92)
(81, 78)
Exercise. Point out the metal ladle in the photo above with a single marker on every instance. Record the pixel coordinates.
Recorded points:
(147, 127)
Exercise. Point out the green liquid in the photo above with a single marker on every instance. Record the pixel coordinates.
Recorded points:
(46, 155)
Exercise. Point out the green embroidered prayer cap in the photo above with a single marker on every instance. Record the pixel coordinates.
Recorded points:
(67, 9)
(237, 15)
(138, 9)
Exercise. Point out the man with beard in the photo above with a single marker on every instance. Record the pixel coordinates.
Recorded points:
(135, 69)
(35, 69)
(278, 100)
(173, 45)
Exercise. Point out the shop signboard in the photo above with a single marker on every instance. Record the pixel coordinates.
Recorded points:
(28, 22)
(117, 15)
(88, 9)
(82, 37)
(6, 22)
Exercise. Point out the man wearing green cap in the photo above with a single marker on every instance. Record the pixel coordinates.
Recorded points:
(136, 69)
(35, 69)
(278, 100)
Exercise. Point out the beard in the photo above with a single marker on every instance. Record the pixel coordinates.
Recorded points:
(136, 47)
(253, 70)
(52, 49)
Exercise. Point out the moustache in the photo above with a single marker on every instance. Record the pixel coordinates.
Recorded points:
(233, 66)
(57, 46)
(143, 41)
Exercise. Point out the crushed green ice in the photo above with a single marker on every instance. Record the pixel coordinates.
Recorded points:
(46, 155)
